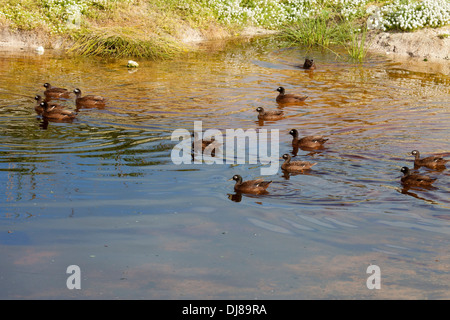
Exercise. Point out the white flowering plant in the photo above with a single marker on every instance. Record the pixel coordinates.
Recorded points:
(408, 15)
(385, 15)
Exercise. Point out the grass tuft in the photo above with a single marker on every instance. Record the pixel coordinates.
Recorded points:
(356, 47)
(124, 43)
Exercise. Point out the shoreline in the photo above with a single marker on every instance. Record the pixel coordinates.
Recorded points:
(423, 50)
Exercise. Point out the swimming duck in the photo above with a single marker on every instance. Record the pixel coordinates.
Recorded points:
(310, 142)
(54, 92)
(309, 64)
(415, 179)
(286, 98)
(251, 186)
(295, 166)
(269, 115)
(39, 109)
(52, 112)
(431, 162)
(89, 100)
(205, 143)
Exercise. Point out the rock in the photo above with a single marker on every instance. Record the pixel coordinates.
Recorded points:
(132, 64)
(39, 50)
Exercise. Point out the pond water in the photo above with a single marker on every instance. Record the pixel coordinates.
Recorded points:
(103, 193)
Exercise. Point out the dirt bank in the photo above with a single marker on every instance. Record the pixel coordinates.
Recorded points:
(16, 40)
(426, 49)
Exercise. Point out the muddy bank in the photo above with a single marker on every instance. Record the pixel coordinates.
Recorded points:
(426, 50)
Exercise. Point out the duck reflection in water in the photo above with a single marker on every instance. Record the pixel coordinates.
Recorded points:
(237, 197)
(312, 152)
(407, 190)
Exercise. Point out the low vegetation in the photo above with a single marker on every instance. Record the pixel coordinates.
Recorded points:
(154, 28)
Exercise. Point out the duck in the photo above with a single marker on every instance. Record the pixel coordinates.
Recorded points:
(39, 109)
(269, 115)
(205, 143)
(52, 112)
(286, 98)
(309, 64)
(432, 162)
(54, 92)
(89, 100)
(295, 166)
(309, 142)
(415, 179)
(257, 186)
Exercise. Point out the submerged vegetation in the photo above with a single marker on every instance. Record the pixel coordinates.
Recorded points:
(159, 28)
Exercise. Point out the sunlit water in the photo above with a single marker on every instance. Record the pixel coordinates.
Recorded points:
(103, 193)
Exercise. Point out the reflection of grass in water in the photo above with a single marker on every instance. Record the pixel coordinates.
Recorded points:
(124, 43)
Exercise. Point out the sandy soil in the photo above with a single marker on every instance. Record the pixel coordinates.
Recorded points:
(423, 49)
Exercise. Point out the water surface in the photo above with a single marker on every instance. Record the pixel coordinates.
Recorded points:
(103, 193)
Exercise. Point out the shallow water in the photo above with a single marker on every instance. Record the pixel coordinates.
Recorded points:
(103, 193)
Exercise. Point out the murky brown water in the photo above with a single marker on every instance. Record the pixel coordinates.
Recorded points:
(103, 193)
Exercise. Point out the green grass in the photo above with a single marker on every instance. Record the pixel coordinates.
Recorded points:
(327, 29)
(151, 28)
(356, 47)
(323, 30)
(124, 43)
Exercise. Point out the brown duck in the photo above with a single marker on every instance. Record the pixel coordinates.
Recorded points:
(39, 109)
(432, 162)
(251, 186)
(205, 143)
(269, 115)
(309, 64)
(54, 92)
(295, 166)
(88, 101)
(411, 179)
(288, 98)
(309, 142)
(52, 112)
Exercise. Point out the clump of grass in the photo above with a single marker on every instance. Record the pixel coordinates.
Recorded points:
(124, 43)
(356, 47)
(323, 30)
